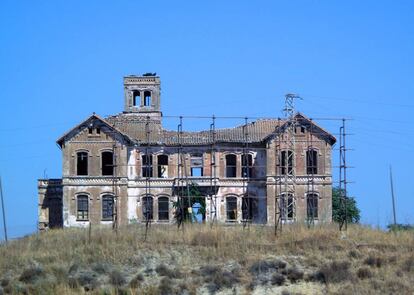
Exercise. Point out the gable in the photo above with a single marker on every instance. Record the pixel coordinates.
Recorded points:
(93, 129)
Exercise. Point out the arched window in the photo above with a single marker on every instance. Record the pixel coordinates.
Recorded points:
(231, 208)
(147, 98)
(82, 205)
(286, 206)
(136, 98)
(82, 163)
(231, 165)
(147, 166)
(147, 208)
(162, 161)
(286, 162)
(107, 207)
(163, 208)
(312, 206)
(311, 162)
(247, 165)
(107, 162)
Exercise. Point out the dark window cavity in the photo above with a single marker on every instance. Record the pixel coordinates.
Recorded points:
(247, 165)
(82, 163)
(107, 207)
(147, 208)
(231, 165)
(107, 163)
(147, 166)
(286, 162)
(311, 162)
(163, 208)
(231, 208)
(162, 166)
(312, 206)
(286, 206)
(83, 207)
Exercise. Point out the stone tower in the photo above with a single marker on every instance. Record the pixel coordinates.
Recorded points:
(143, 95)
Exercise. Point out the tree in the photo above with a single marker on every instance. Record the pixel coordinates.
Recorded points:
(338, 211)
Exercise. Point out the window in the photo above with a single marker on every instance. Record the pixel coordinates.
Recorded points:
(196, 164)
(90, 130)
(147, 98)
(163, 208)
(311, 162)
(162, 166)
(82, 163)
(136, 98)
(286, 162)
(286, 206)
(231, 208)
(312, 206)
(147, 208)
(107, 207)
(147, 166)
(247, 208)
(247, 165)
(231, 165)
(107, 159)
(98, 130)
(82, 203)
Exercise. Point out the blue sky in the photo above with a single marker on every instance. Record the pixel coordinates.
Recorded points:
(62, 60)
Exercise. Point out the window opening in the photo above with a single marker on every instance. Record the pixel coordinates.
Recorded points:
(83, 207)
(286, 162)
(147, 166)
(231, 165)
(147, 208)
(107, 159)
(163, 208)
(147, 98)
(162, 161)
(196, 164)
(311, 162)
(136, 97)
(286, 206)
(231, 208)
(247, 165)
(107, 207)
(312, 206)
(82, 163)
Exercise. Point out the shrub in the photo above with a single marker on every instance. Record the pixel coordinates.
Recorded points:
(266, 265)
(136, 281)
(165, 287)
(372, 260)
(335, 272)
(117, 278)
(164, 271)
(408, 265)
(85, 278)
(364, 273)
(278, 279)
(31, 274)
(295, 274)
(101, 267)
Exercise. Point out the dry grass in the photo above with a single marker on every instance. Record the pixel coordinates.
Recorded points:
(207, 260)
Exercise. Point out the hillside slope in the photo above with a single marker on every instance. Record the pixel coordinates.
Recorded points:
(205, 260)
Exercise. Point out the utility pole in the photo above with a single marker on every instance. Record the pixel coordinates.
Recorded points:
(3, 210)
(393, 197)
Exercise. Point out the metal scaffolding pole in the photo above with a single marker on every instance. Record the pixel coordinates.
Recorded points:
(343, 224)
(213, 184)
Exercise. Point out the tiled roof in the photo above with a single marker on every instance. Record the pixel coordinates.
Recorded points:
(136, 128)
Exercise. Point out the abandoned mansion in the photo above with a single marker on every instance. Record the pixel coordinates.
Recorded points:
(128, 168)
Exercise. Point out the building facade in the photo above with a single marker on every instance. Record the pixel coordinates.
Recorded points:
(127, 168)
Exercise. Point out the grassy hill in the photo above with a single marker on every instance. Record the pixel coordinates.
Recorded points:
(205, 260)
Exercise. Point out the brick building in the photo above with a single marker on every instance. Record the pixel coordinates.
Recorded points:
(127, 168)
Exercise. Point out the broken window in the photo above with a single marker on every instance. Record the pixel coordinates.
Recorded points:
(107, 163)
(196, 165)
(312, 206)
(147, 98)
(107, 207)
(248, 206)
(82, 163)
(163, 208)
(286, 162)
(147, 166)
(147, 208)
(286, 206)
(162, 166)
(82, 204)
(311, 162)
(247, 165)
(231, 208)
(231, 165)
(136, 98)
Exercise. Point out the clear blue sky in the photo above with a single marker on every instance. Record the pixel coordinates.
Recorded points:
(62, 60)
